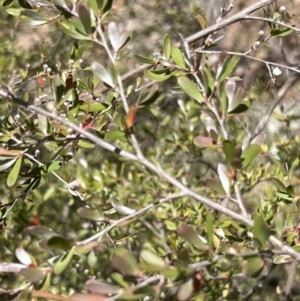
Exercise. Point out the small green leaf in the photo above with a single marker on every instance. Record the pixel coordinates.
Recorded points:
(125, 262)
(177, 57)
(95, 107)
(144, 60)
(33, 15)
(157, 77)
(228, 68)
(102, 73)
(14, 173)
(92, 259)
(151, 263)
(228, 147)
(51, 167)
(191, 235)
(185, 291)
(215, 185)
(190, 88)
(250, 154)
(70, 30)
(100, 287)
(63, 262)
(114, 135)
(167, 47)
(253, 266)
(33, 274)
(85, 144)
(85, 18)
(280, 186)
(89, 213)
(59, 242)
(277, 32)
(261, 230)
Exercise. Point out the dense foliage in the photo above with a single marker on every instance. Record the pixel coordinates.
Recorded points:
(174, 181)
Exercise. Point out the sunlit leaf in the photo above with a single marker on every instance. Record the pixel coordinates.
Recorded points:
(226, 183)
(33, 15)
(250, 154)
(125, 262)
(261, 230)
(280, 186)
(190, 234)
(8, 164)
(228, 68)
(23, 256)
(14, 173)
(33, 274)
(102, 73)
(41, 231)
(70, 30)
(89, 213)
(151, 262)
(177, 57)
(167, 47)
(253, 266)
(51, 167)
(190, 88)
(144, 60)
(185, 291)
(100, 287)
(157, 77)
(63, 262)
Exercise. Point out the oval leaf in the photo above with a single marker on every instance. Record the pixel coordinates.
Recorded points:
(100, 287)
(250, 154)
(191, 235)
(125, 262)
(103, 74)
(151, 262)
(14, 173)
(190, 88)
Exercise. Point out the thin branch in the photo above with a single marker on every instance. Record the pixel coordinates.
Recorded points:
(240, 200)
(244, 55)
(265, 118)
(130, 216)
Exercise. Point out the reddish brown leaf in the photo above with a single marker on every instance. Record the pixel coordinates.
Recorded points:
(69, 82)
(88, 123)
(131, 116)
(41, 81)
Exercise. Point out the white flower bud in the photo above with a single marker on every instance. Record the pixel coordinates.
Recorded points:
(282, 9)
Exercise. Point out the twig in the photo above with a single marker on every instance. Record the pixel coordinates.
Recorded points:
(264, 119)
(130, 216)
(239, 199)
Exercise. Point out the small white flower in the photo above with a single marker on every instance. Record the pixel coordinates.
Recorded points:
(276, 71)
